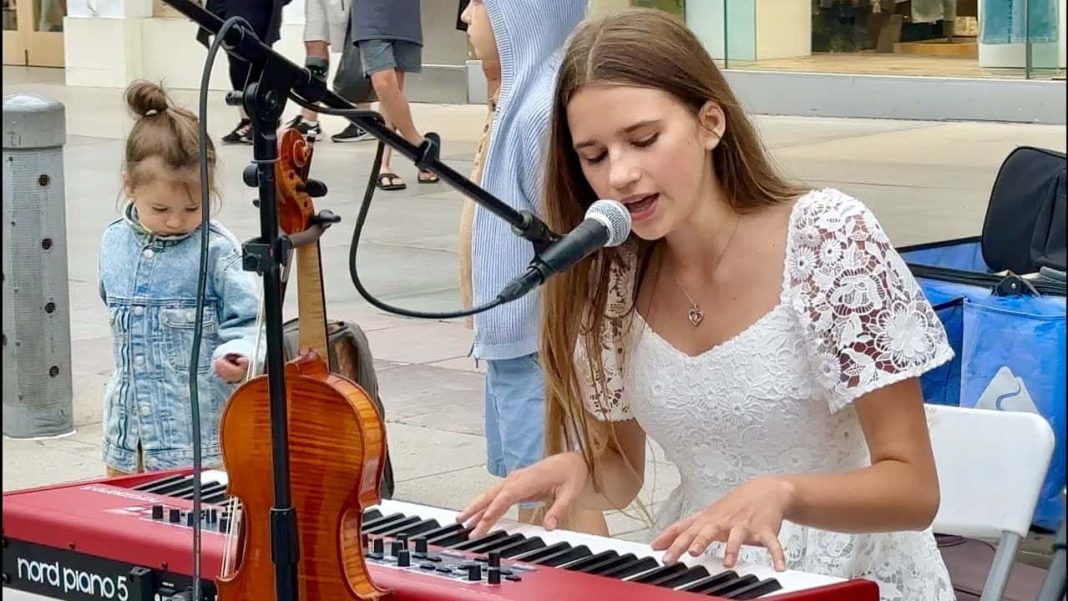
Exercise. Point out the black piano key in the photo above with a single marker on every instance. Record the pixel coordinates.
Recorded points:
(578, 564)
(677, 580)
(728, 587)
(453, 536)
(713, 580)
(607, 564)
(216, 498)
(659, 573)
(472, 544)
(496, 545)
(211, 489)
(630, 568)
(521, 547)
(562, 557)
(178, 488)
(393, 517)
(757, 589)
(419, 528)
(392, 527)
(536, 554)
(163, 484)
(449, 528)
(184, 489)
(371, 514)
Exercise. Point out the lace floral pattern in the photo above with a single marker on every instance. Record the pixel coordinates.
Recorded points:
(777, 397)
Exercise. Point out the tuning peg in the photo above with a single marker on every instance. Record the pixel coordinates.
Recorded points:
(315, 188)
(326, 217)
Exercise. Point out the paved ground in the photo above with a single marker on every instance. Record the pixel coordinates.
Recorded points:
(925, 181)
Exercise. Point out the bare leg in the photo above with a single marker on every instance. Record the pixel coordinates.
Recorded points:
(389, 85)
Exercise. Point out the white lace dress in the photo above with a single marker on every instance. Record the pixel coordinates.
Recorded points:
(777, 397)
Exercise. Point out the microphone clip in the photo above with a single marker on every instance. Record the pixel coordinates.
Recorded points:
(534, 229)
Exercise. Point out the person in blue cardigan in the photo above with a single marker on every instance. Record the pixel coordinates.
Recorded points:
(527, 36)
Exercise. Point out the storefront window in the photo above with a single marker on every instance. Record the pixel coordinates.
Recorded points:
(11, 20)
(926, 38)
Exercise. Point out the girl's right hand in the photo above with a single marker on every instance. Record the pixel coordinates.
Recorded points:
(560, 478)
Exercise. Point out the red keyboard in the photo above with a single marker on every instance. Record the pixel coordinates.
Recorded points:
(130, 539)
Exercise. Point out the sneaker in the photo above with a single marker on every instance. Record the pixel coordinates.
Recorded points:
(242, 134)
(311, 132)
(352, 133)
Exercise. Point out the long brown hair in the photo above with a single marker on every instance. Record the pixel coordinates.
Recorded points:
(164, 141)
(651, 49)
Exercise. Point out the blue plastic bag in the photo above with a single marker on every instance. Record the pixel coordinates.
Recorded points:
(1010, 355)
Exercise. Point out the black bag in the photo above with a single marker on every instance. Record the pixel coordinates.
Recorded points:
(350, 356)
(1024, 229)
(350, 82)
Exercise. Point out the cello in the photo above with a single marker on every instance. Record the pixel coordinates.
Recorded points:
(336, 437)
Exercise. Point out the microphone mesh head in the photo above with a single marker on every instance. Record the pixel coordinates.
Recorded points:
(614, 216)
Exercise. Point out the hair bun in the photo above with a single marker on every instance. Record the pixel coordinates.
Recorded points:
(146, 98)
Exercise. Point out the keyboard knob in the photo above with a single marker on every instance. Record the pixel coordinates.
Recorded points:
(395, 548)
(403, 539)
(157, 512)
(404, 558)
(174, 516)
(474, 573)
(494, 559)
(493, 576)
(420, 546)
(378, 546)
(189, 519)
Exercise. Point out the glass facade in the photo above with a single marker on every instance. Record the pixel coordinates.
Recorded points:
(926, 38)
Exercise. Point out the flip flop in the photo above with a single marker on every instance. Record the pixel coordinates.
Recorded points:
(426, 177)
(388, 180)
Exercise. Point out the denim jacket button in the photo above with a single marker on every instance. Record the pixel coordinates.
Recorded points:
(139, 311)
(146, 410)
(149, 253)
(139, 360)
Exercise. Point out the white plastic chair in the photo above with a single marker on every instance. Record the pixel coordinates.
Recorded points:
(991, 466)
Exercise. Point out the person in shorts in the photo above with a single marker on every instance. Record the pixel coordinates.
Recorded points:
(389, 36)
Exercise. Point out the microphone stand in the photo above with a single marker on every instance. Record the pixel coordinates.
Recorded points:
(272, 77)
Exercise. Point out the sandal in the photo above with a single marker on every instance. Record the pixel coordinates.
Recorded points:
(388, 180)
(426, 177)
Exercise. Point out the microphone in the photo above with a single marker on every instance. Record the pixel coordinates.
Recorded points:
(607, 223)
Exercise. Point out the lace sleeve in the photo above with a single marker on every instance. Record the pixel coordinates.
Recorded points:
(609, 402)
(865, 318)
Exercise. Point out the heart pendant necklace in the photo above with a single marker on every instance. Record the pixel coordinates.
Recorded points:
(696, 314)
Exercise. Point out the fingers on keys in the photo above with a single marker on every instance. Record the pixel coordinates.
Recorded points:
(778, 556)
(670, 536)
(694, 536)
(490, 507)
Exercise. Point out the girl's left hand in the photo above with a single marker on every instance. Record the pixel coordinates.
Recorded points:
(751, 514)
(231, 368)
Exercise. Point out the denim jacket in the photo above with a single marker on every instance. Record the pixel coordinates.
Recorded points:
(149, 284)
